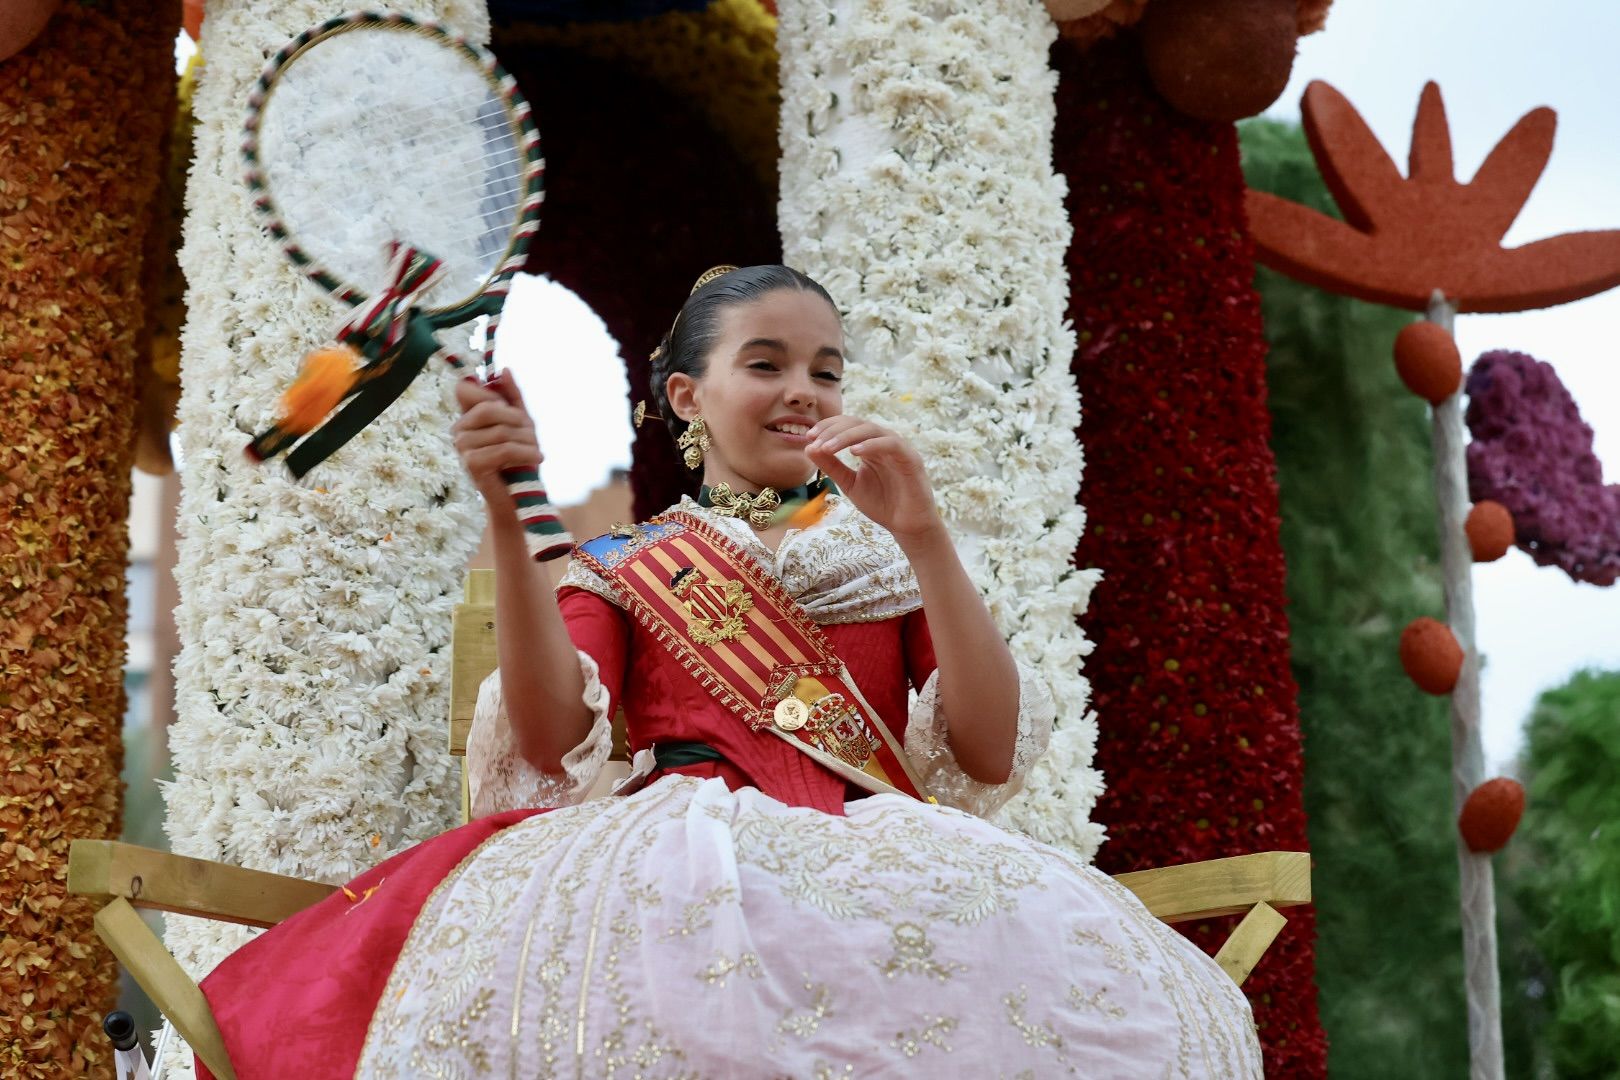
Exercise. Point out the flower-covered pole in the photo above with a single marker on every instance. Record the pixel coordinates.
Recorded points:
(314, 616)
(917, 185)
(80, 161)
(1201, 743)
(1428, 243)
(1477, 890)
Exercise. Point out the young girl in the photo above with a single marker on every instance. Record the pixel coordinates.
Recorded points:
(797, 878)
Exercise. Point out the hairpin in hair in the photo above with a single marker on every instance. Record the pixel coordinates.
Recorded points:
(639, 414)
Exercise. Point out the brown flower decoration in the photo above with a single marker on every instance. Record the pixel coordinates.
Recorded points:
(1404, 237)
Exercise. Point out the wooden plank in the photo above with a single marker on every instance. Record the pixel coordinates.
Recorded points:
(479, 588)
(1249, 941)
(472, 652)
(165, 982)
(187, 886)
(466, 793)
(459, 730)
(472, 657)
(1204, 890)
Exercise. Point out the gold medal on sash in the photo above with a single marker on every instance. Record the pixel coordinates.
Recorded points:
(791, 714)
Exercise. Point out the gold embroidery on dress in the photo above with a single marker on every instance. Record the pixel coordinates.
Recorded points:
(888, 872)
(722, 969)
(910, 1043)
(454, 977)
(633, 535)
(826, 1070)
(914, 955)
(1114, 954)
(1036, 1036)
(1096, 1000)
(697, 914)
(803, 1025)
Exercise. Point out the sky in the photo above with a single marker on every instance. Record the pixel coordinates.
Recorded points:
(1494, 62)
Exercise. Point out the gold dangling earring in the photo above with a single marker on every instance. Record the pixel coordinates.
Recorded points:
(694, 443)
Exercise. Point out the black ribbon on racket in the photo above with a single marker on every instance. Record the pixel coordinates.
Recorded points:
(397, 342)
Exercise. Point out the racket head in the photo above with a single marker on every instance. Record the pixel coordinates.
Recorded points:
(351, 139)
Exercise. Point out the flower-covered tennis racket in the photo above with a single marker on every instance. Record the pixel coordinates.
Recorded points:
(399, 167)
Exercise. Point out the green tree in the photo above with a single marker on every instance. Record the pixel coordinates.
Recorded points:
(1561, 877)
(1359, 534)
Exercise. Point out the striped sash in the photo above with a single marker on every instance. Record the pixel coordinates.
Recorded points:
(736, 630)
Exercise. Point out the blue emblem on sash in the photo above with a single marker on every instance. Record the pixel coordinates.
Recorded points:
(622, 541)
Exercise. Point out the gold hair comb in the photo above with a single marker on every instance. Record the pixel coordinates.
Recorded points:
(709, 275)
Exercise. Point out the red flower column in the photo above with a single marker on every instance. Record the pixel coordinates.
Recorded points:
(1200, 738)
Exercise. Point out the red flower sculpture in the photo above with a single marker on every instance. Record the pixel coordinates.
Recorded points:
(1404, 237)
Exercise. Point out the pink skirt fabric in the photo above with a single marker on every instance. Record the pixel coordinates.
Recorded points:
(691, 930)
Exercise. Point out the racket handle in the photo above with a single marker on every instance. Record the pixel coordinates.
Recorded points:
(542, 529)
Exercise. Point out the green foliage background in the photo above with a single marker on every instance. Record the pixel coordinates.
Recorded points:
(1559, 886)
(1359, 533)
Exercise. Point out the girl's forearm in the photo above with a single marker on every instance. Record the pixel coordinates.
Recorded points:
(978, 679)
(541, 681)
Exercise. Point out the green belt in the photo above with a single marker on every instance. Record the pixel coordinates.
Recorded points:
(675, 754)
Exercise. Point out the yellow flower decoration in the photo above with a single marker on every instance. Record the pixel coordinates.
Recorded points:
(80, 139)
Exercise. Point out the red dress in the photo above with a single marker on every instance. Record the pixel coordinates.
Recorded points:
(764, 919)
(258, 997)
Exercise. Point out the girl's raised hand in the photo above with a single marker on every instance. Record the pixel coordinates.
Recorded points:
(889, 483)
(494, 432)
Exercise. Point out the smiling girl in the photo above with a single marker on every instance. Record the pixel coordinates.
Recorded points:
(797, 878)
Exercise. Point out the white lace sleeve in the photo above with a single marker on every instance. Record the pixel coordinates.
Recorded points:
(928, 747)
(497, 776)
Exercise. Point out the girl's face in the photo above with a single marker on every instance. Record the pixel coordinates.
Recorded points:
(774, 371)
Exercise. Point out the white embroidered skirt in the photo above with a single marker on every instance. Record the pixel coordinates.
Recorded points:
(692, 931)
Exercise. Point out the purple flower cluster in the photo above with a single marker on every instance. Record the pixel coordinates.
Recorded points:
(1532, 453)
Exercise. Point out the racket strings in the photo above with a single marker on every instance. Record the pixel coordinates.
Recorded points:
(445, 175)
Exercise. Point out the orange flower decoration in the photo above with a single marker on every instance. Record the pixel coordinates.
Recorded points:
(328, 376)
(1404, 237)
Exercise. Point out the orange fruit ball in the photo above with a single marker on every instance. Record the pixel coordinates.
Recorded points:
(1431, 655)
(1490, 530)
(1427, 360)
(1490, 815)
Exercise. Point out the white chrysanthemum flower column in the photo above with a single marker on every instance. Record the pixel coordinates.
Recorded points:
(314, 617)
(917, 185)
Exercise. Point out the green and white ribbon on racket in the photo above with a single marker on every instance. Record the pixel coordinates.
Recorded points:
(371, 141)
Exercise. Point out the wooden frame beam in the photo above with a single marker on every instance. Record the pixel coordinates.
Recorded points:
(174, 992)
(1249, 941)
(187, 886)
(1205, 890)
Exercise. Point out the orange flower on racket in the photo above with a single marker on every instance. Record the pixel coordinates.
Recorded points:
(1404, 237)
(327, 377)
